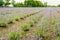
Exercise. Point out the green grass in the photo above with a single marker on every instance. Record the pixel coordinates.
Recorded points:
(16, 35)
(3, 24)
(17, 19)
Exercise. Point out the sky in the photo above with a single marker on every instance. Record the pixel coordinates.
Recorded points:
(50, 2)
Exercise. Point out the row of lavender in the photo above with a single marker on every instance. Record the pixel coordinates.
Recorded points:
(9, 14)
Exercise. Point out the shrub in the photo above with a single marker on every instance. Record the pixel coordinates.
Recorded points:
(25, 27)
(17, 19)
(31, 23)
(16, 35)
(10, 21)
(27, 15)
(22, 17)
(3, 24)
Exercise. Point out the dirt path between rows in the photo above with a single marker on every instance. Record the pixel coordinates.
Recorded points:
(30, 34)
(49, 16)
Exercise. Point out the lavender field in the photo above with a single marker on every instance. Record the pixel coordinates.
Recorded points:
(30, 23)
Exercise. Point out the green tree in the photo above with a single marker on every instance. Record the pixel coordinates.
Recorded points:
(1, 3)
(7, 2)
(28, 2)
(58, 5)
(33, 3)
(13, 3)
(39, 4)
(19, 5)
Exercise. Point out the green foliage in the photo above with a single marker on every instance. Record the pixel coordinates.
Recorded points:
(16, 35)
(25, 27)
(1, 3)
(6, 3)
(58, 5)
(34, 18)
(27, 15)
(3, 24)
(31, 23)
(26, 3)
(13, 3)
(10, 21)
(16, 18)
(33, 3)
(19, 5)
(21, 17)
(29, 3)
(40, 33)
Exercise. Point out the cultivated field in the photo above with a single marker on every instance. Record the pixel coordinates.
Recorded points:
(29, 23)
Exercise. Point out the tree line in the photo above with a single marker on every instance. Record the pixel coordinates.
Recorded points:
(26, 3)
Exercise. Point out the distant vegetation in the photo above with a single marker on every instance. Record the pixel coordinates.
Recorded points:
(58, 5)
(26, 3)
